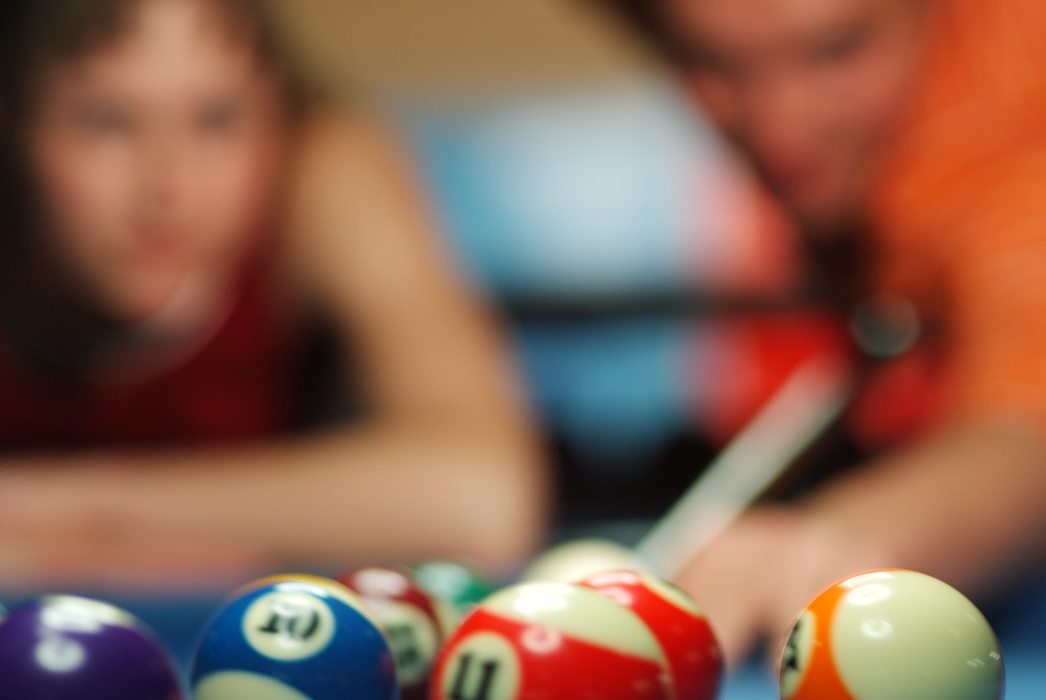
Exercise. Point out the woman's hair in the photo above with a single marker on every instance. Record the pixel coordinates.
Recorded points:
(37, 34)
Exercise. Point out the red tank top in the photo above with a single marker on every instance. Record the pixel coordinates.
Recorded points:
(239, 386)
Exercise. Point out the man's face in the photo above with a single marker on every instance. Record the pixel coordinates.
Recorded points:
(807, 87)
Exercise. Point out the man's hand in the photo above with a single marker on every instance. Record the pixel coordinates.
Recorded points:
(755, 578)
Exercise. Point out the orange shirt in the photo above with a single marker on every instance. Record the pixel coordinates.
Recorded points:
(961, 206)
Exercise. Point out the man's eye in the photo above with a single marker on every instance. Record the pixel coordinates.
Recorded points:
(220, 117)
(840, 46)
(709, 61)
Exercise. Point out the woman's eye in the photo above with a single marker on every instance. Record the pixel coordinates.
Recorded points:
(220, 117)
(106, 120)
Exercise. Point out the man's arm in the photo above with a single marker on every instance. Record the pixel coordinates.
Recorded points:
(967, 505)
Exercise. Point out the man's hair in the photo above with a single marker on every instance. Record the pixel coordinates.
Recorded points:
(648, 16)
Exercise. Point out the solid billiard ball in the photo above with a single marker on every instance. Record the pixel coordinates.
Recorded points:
(891, 635)
(68, 648)
(409, 617)
(294, 638)
(678, 625)
(456, 589)
(572, 561)
(554, 641)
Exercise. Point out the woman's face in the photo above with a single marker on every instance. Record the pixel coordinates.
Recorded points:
(807, 87)
(156, 157)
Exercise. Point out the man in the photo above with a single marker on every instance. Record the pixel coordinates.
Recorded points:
(920, 123)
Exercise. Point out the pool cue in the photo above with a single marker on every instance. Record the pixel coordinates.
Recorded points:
(809, 401)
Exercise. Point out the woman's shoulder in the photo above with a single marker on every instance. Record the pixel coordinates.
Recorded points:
(346, 139)
(347, 165)
(355, 199)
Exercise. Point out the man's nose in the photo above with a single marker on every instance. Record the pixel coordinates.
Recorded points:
(779, 117)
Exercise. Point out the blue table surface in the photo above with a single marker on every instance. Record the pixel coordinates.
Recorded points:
(1019, 621)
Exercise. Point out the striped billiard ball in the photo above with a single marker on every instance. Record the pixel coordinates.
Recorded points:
(551, 641)
(409, 617)
(294, 638)
(678, 625)
(891, 635)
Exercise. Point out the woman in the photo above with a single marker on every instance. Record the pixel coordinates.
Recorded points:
(174, 216)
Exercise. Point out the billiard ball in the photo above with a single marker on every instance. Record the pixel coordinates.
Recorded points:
(456, 589)
(572, 561)
(553, 641)
(453, 582)
(891, 635)
(68, 648)
(409, 617)
(678, 624)
(294, 638)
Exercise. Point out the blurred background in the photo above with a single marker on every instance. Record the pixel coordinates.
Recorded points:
(655, 295)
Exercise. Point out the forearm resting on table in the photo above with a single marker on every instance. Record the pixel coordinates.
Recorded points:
(967, 505)
(385, 491)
